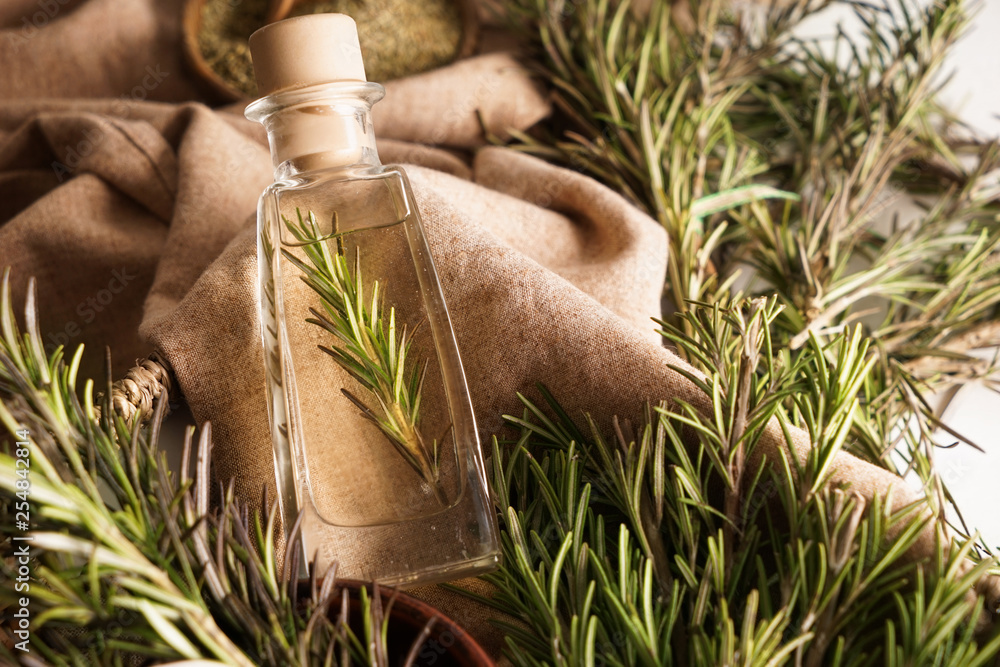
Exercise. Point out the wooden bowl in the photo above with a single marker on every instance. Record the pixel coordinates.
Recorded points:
(447, 645)
(218, 90)
(213, 87)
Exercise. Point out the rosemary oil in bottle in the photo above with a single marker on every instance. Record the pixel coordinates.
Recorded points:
(375, 442)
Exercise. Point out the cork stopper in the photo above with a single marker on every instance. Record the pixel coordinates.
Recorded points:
(306, 50)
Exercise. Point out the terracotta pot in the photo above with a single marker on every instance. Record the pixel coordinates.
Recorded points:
(447, 645)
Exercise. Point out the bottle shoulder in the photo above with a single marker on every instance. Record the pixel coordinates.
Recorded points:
(373, 196)
(319, 177)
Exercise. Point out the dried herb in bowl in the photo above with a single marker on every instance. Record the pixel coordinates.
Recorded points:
(222, 38)
(398, 37)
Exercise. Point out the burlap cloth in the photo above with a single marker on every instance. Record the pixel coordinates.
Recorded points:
(136, 218)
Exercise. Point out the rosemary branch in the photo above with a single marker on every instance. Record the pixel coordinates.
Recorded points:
(373, 350)
(129, 562)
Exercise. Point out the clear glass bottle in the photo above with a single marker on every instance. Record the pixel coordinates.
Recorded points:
(375, 441)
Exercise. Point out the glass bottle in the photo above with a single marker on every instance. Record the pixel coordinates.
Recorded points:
(375, 441)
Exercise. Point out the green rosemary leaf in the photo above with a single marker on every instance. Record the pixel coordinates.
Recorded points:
(372, 351)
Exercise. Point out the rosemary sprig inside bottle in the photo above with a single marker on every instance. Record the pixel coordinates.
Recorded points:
(373, 351)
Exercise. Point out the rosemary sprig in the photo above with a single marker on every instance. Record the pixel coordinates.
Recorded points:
(677, 544)
(127, 559)
(374, 352)
(677, 116)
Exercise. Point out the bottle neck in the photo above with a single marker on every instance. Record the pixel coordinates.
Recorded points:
(326, 126)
